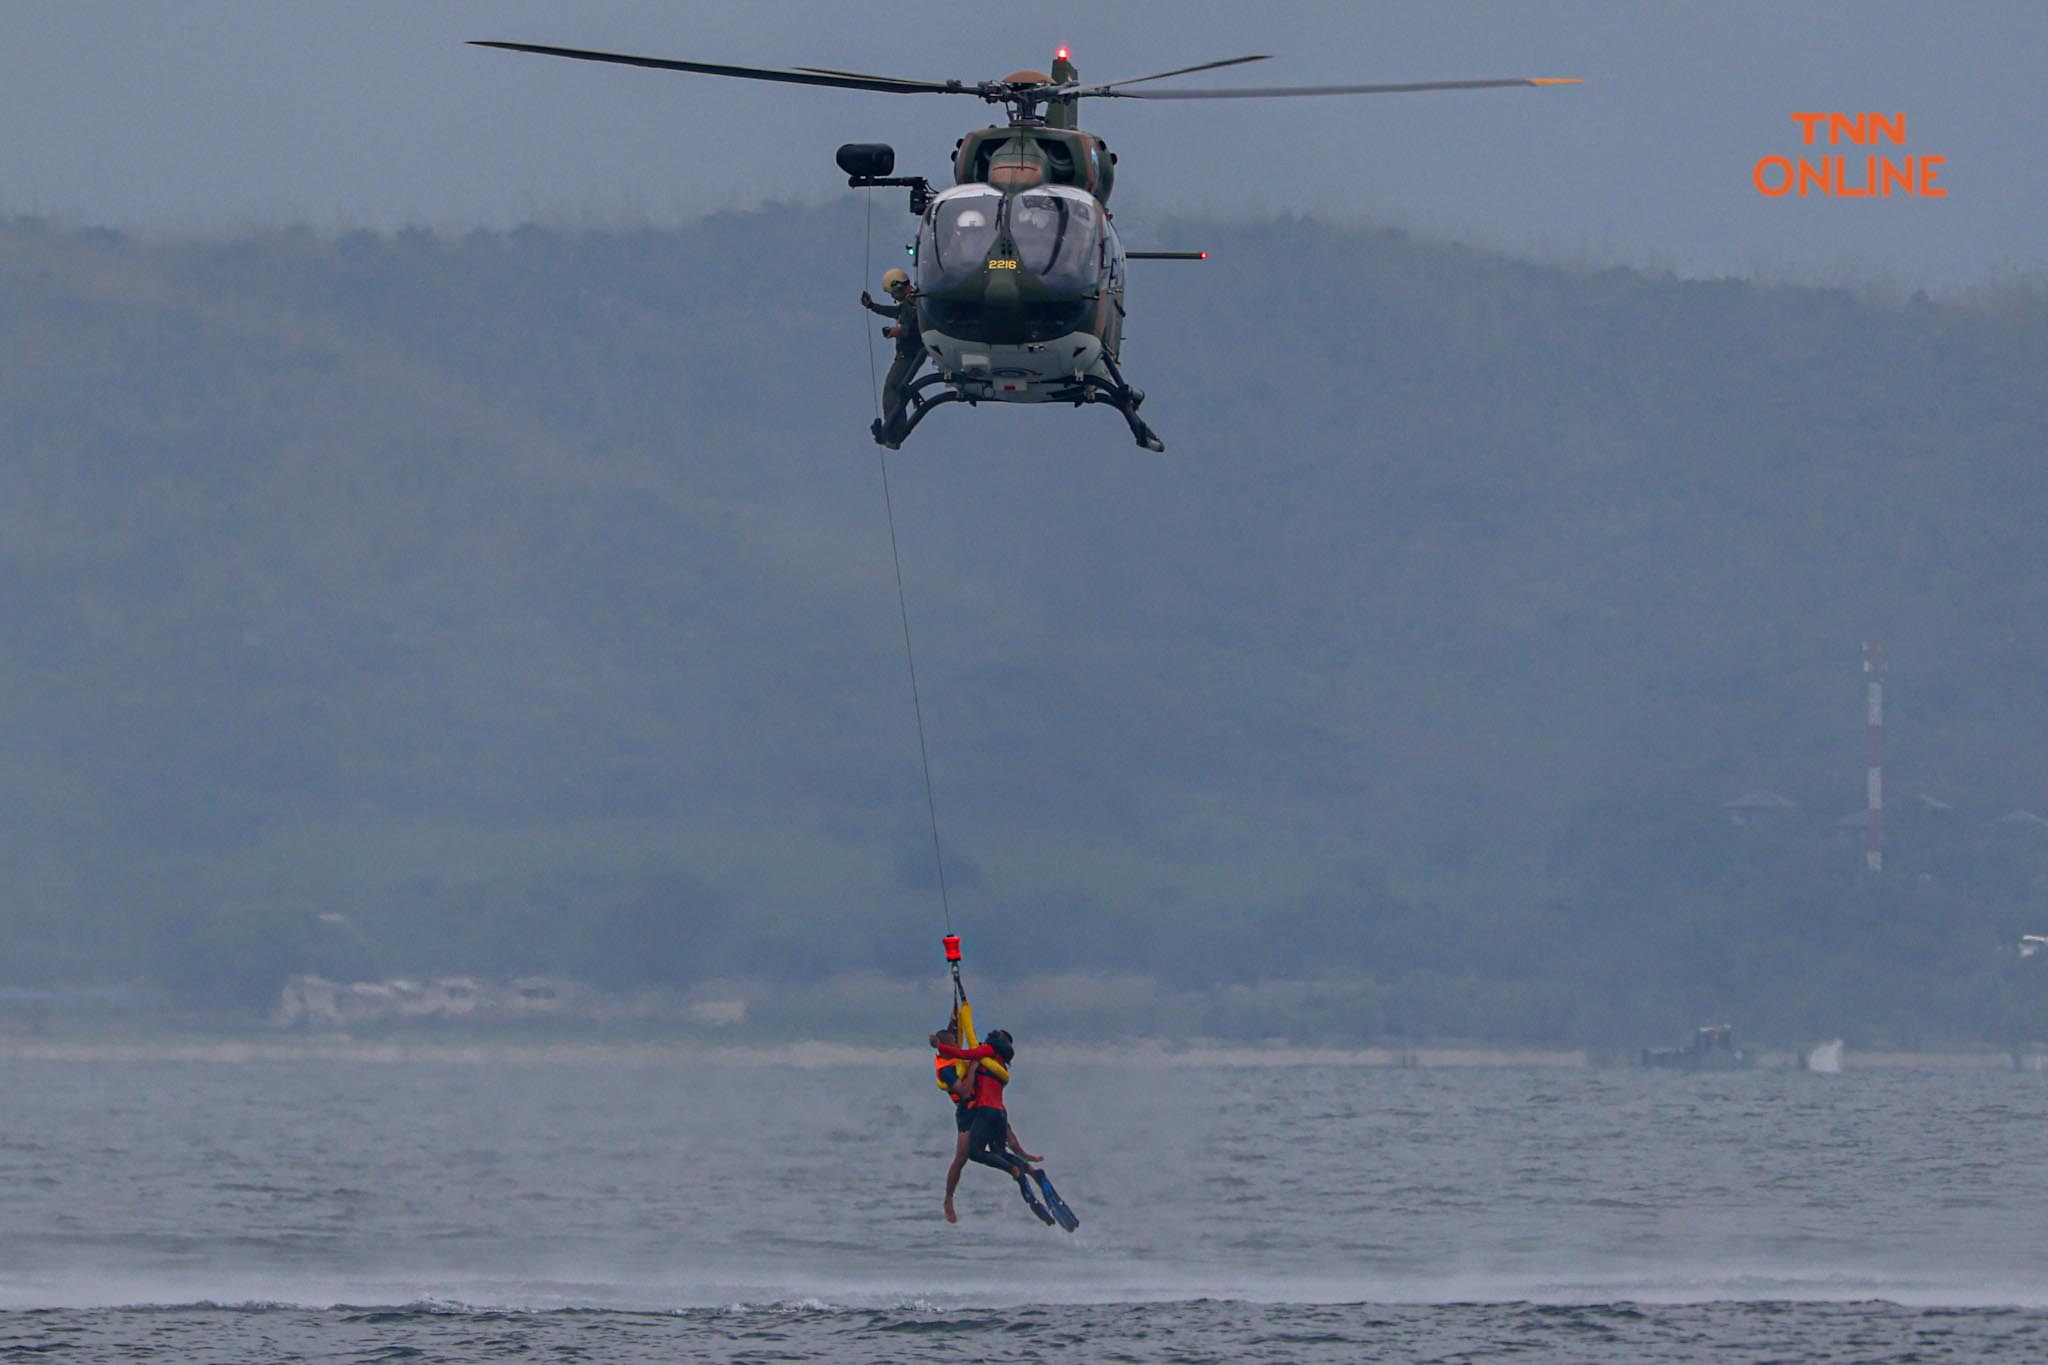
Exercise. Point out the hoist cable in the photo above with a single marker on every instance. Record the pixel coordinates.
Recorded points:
(916, 702)
(867, 263)
(931, 804)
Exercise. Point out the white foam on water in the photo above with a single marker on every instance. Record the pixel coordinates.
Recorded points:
(743, 1293)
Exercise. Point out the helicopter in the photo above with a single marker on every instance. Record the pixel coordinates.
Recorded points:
(1018, 269)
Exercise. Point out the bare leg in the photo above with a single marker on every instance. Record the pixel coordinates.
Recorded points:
(953, 1176)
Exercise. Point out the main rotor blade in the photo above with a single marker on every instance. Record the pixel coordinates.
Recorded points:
(1184, 71)
(862, 75)
(1278, 91)
(834, 79)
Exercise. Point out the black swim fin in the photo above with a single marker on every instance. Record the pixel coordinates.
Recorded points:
(1060, 1211)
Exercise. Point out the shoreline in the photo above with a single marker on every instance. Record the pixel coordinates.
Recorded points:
(1150, 1054)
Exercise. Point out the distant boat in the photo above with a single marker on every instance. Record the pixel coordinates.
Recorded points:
(1712, 1048)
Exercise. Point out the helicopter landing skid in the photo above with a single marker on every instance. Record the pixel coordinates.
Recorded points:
(1088, 389)
(1119, 395)
(1127, 397)
(893, 434)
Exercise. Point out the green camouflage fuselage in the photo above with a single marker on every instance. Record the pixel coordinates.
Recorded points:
(1020, 272)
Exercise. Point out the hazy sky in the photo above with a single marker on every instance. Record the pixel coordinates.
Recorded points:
(218, 113)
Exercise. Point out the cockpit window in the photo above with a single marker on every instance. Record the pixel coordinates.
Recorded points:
(958, 234)
(1058, 238)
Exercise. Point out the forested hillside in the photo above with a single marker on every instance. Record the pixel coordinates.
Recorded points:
(522, 602)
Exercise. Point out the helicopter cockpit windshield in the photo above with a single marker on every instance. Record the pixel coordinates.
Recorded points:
(1058, 237)
(956, 236)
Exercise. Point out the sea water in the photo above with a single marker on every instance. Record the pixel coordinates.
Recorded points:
(631, 1205)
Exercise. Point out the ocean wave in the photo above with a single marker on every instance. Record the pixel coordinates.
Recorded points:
(1663, 1287)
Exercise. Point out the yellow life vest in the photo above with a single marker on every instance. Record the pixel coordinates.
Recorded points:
(949, 1070)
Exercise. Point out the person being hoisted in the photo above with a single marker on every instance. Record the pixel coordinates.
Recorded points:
(957, 1080)
(909, 335)
(988, 1130)
(986, 1127)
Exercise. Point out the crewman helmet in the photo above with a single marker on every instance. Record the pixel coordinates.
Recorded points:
(893, 280)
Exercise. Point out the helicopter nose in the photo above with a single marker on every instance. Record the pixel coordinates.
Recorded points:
(1002, 307)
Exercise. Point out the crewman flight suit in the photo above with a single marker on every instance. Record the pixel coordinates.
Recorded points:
(909, 356)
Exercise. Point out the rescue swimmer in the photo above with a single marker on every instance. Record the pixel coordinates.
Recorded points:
(975, 1075)
(989, 1136)
(959, 1080)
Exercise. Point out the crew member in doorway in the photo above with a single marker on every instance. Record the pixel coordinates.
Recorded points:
(909, 337)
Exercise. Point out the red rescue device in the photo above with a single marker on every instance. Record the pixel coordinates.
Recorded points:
(952, 942)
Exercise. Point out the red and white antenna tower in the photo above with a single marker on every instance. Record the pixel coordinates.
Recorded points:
(1873, 686)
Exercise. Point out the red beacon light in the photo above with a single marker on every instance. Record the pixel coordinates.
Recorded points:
(1060, 53)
